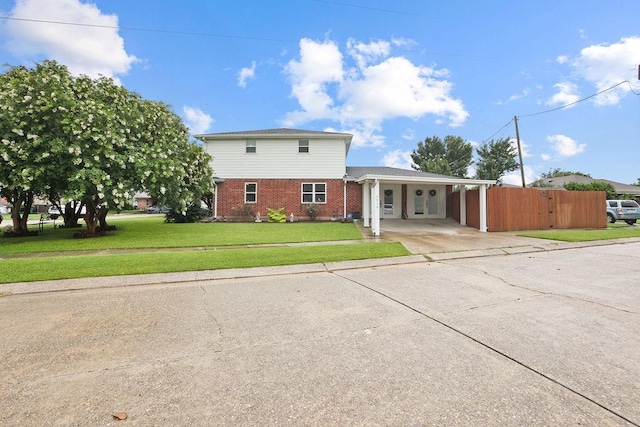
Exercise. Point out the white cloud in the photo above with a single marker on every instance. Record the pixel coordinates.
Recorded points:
(376, 88)
(91, 50)
(565, 146)
(605, 65)
(246, 74)
(409, 135)
(364, 53)
(524, 148)
(546, 157)
(515, 96)
(567, 94)
(562, 59)
(320, 64)
(515, 177)
(365, 134)
(398, 159)
(197, 120)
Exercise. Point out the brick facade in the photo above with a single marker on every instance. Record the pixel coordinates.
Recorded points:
(287, 193)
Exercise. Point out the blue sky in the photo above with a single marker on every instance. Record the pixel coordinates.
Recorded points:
(391, 73)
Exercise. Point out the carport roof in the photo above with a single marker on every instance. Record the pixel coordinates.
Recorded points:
(382, 173)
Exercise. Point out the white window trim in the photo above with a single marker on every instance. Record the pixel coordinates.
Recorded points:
(301, 146)
(246, 192)
(250, 143)
(313, 193)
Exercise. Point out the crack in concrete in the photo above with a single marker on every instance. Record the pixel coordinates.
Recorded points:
(210, 315)
(547, 293)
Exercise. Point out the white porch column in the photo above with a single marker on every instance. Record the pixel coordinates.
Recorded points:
(366, 203)
(463, 205)
(483, 208)
(375, 208)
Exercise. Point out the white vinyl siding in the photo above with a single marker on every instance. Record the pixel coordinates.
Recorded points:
(278, 159)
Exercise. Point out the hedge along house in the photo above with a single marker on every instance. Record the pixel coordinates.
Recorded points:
(293, 169)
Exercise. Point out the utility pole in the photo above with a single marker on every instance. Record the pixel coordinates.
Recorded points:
(515, 119)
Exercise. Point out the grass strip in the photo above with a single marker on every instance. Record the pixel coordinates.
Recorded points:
(69, 267)
(613, 231)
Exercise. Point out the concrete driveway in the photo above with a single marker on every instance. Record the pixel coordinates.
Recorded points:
(432, 236)
(543, 338)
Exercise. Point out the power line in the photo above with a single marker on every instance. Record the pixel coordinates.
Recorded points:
(575, 102)
(148, 30)
(368, 8)
(496, 132)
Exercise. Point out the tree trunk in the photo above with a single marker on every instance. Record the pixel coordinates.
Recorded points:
(102, 218)
(21, 200)
(70, 215)
(95, 219)
(91, 222)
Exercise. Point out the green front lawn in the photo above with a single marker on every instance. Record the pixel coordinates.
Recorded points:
(157, 247)
(152, 232)
(619, 230)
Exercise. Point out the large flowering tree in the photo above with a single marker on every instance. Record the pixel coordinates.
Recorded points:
(33, 149)
(93, 141)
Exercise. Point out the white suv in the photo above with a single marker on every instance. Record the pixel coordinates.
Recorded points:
(627, 210)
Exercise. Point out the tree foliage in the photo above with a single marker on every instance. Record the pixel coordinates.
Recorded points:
(496, 157)
(90, 140)
(451, 156)
(557, 172)
(592, 186)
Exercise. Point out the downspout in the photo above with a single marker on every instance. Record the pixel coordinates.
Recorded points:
(344, 196)
(215, 200)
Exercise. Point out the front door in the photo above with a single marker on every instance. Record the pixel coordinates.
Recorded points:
(432, 204)
(388, 206)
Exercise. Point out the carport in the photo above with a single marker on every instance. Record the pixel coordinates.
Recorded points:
(393, 193)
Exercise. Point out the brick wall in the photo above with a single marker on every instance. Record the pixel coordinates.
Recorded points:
(287, 193)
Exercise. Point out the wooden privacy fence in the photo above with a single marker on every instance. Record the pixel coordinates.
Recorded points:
(512, 209)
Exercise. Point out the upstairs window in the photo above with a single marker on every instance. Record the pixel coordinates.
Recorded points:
(250, 146)
(303, 146)
(314, 192)
(250, 192)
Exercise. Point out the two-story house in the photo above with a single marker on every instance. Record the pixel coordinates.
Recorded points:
(290, 168)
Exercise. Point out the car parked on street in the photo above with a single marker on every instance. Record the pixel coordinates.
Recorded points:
(626, 210)
(53, 210)
(158, 209)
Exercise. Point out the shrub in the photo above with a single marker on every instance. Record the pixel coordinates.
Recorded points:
(276, 215)
(245, 213)
(592, 186)
(193, 214)
(313, 210)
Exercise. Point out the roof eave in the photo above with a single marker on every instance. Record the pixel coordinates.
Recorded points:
(431, 180)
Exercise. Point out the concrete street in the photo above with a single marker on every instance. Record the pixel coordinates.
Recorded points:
(548, 336)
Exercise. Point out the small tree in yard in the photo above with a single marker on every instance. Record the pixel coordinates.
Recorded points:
(451, 156)
(497, 157)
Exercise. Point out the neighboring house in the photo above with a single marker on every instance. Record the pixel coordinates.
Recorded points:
(141, 201)
(560, 181)
(292, 169)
